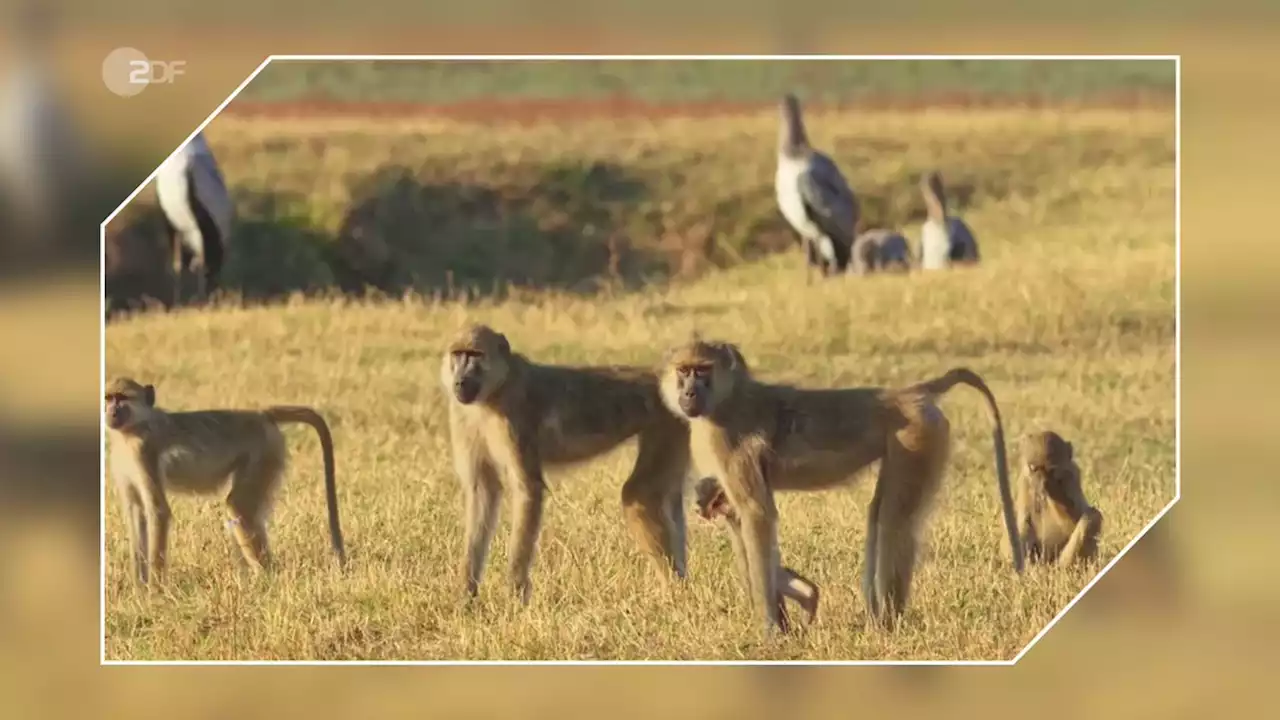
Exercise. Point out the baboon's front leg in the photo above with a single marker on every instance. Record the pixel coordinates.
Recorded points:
(1083, 543)
(526, 524)
(482, 498)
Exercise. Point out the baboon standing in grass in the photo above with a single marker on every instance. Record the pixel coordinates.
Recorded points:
(509, 417)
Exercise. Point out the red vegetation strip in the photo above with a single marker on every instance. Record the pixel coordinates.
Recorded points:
(618, 106)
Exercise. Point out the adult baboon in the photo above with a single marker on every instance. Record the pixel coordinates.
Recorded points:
(509, 416)
(758, 438)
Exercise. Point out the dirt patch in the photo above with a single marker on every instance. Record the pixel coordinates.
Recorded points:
(526, 111)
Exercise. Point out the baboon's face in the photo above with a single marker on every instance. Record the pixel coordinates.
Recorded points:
(701, 376)
(476, 365)
(1048, 457)
(128, 404)
(693, 388)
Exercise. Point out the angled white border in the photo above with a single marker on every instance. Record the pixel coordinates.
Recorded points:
(102, 530)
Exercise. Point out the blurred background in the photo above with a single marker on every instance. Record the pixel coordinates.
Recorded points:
(1181, 627)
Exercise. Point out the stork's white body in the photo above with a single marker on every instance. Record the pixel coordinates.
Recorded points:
(940, 241)
(194, 165)
(790, 202)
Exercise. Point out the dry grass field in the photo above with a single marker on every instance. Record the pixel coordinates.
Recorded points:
(1070, 318)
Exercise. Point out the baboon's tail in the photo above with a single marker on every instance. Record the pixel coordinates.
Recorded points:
(965, 376)
(307, 416)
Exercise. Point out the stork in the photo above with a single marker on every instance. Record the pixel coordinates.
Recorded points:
(944, 239)
(880, 250)
(198, 213)
(813, 196)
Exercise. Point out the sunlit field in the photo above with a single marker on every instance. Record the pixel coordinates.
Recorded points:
(606, 241)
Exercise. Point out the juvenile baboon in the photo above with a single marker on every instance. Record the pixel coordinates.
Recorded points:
(758, 438)
(509, 416)
(880, 250)
(1055, 522)
(153, 451)
(712, 503)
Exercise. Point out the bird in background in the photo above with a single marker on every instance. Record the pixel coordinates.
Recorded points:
(813, 196)
(944, 239)
(198, 213)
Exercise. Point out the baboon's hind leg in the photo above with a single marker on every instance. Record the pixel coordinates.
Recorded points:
(482, 496)
(870, 555)
(253, 485)
(909, 478)
(649, 499)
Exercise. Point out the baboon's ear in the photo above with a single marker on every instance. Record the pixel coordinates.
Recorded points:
(1071, 451)
(504, 347)
(149, 395)
(737, 363)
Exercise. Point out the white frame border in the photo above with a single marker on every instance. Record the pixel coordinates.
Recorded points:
(102, 524)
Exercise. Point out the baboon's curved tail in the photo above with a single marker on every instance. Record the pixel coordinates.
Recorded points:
(965, 376)
(307, 416)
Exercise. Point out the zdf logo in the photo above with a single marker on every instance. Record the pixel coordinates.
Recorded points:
(127, 71)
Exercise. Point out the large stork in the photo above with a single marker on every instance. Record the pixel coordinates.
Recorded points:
(198, 213)
(813, 196)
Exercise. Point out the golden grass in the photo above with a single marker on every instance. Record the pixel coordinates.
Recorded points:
(1070, 319)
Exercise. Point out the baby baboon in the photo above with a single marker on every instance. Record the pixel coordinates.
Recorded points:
(153, 451)
(757, 438)
(880, 250)
(712, 503)
(508, 417)
(1055, 522)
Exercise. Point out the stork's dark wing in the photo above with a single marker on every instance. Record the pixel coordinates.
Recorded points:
(829, 203)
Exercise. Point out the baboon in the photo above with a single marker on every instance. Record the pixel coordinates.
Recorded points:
(712, 503)
(880, 250)
(1055, 522)
(945, 239)
(509, 416)
(153, 451)
(758, 438)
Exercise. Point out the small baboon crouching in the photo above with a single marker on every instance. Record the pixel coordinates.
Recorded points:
(712, 503)
(1055, 522)
(153, 451)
